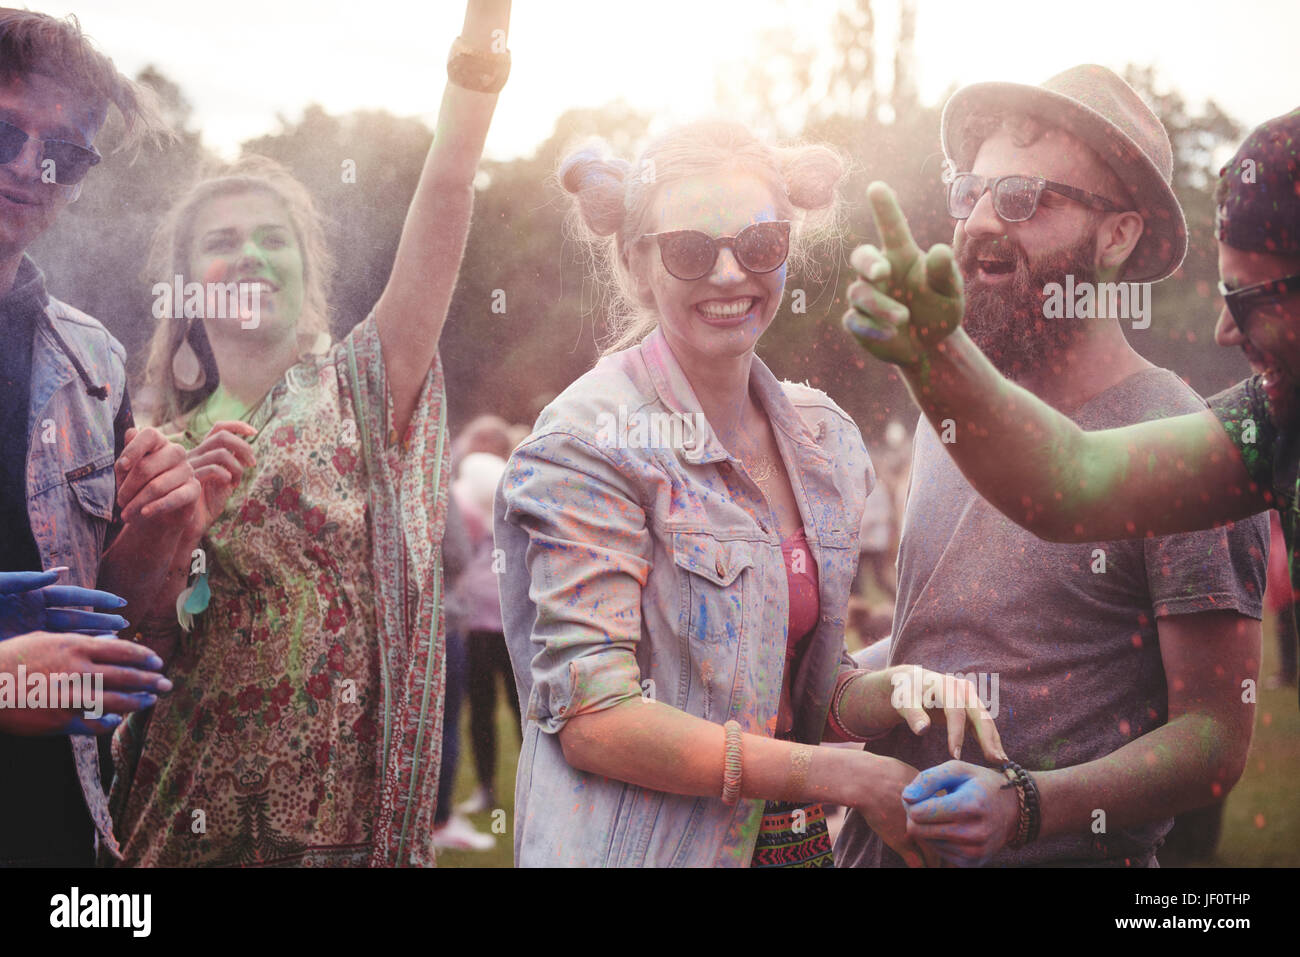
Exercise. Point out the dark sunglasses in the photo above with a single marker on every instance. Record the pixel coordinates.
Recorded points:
(1243, 301)
(71, 162)
(689, 254)
(1015, 198)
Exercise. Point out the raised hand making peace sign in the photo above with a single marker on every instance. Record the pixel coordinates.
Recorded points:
(904, 301)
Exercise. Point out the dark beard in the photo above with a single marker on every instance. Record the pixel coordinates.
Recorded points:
(1007, 323)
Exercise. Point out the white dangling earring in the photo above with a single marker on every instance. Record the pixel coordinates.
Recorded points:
(187, 371)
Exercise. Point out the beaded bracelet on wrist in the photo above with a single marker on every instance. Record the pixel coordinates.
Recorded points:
(1030, 819)
(1035, 805)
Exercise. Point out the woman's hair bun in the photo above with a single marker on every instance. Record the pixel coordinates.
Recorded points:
(596, 179)
(811, 174)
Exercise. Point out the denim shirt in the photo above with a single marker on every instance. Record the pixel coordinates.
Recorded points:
(630, 570)
(70, 483)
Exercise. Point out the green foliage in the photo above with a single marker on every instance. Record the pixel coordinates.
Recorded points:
(512, 363)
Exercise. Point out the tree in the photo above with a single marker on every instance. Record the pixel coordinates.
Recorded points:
(527, 318)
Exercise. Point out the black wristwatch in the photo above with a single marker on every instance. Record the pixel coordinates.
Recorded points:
(475, 70)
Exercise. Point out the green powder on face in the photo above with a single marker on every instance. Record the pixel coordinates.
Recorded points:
(220, 406)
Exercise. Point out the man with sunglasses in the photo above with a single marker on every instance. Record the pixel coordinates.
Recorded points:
(83, 495)
(1106, 692)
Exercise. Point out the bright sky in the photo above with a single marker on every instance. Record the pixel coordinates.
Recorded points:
(242, 62)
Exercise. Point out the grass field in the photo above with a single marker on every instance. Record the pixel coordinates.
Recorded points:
(507, 757)
(1261, 823)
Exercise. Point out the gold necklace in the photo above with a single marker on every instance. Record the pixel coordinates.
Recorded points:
(760, 468)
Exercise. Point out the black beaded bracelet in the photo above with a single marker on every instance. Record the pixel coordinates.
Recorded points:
(1035, 807)
(1022, 814)
(1031, 817)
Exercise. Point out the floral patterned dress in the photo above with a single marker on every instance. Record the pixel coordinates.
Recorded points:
(304, 728)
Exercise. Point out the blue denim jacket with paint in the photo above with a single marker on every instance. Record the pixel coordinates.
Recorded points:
(70, 482)
(630, 570)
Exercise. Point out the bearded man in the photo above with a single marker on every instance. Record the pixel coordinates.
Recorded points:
(1118, 666)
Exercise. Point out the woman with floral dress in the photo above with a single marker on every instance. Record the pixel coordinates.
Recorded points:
(307, 649)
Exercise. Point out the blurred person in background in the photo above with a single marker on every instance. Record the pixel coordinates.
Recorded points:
(473, 604)
(876, 538)
(452, 830)
(479, 604)
(871, 612)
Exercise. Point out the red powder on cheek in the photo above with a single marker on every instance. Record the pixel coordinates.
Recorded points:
(216, 272)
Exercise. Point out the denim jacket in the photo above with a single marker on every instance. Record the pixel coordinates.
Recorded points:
(629, 571)
(78, 381)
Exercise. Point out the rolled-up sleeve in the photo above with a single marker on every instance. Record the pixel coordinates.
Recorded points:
(588, 557)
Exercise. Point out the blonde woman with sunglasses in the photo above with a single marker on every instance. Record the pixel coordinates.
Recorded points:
(679, 538)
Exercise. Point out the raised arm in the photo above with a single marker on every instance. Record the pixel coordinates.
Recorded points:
(413, 306)
(1030, 461)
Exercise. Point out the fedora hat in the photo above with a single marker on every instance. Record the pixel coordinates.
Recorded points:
(1097, 106)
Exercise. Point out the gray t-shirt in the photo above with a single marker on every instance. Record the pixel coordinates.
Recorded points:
(1070, 651)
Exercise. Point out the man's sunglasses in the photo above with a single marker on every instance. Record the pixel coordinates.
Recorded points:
(689, 254)
(71, 162)
(1243, 301)
(1015, 198)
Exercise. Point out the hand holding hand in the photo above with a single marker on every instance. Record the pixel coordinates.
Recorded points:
(154, 478)
(219, 462)
(877, 795)
(904, 301)
(974, 819)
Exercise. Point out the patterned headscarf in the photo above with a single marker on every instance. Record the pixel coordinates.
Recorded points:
(1260, 211)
